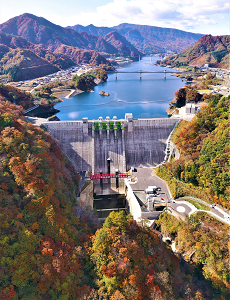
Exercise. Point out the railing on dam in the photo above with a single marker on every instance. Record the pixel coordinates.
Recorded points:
(106, 176)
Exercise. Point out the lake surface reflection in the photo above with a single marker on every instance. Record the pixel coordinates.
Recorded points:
(147, 97)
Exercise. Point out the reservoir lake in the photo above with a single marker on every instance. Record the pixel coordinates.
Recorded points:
(147, 97)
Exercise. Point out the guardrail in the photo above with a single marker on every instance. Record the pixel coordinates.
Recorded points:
(105, 176)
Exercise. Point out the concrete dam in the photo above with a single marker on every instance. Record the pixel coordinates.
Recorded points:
(113, 145)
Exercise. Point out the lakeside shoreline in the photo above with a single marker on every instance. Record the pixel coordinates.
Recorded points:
(113, 86)
(73, 93)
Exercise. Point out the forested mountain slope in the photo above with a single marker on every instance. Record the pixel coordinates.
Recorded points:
(211, 50)
(203, 169)
(49, 246)
(23, 60)
(40, 239)
(132, 262)
(40, 31)
(147, 39)
(203, 241)
(16, 96)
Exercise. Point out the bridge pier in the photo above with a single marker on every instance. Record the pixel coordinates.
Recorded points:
(116, 75)
(164, 74)
(140, 74)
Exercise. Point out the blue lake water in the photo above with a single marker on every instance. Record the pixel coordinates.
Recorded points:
(147, 97)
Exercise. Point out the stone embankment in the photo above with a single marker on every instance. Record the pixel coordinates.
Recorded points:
(41, 111)
(74, 93)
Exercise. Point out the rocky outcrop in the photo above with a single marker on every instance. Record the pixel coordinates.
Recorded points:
(103, 93)
(53, 118)
(170, 110)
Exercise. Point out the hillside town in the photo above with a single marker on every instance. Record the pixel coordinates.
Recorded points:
(62, 75)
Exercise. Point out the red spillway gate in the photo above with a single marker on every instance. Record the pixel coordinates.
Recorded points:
(105, 176)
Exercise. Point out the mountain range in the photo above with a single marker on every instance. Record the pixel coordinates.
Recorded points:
(38, 30)
(211, 50)
(32, 46)
(23, 60)
(147, 39)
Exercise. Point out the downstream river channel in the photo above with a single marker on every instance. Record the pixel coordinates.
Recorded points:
(147, 97)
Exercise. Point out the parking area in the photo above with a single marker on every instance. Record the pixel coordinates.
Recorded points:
(146, 178)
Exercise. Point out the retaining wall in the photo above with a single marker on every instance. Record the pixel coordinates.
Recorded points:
(86, 195)
(134, 206)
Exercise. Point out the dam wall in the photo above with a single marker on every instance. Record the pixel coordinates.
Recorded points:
(108, 144)
(76, 141)
(112, 145)
(145, 141)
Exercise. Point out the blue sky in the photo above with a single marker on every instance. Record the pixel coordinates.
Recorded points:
(199, 16)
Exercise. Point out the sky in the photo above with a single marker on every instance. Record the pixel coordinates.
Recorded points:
(198, 16)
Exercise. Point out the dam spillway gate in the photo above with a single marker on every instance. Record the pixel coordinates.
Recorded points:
(111, 146)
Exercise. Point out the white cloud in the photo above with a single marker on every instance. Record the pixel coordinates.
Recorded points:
(206, 20)
(181, 14)
(205, 16)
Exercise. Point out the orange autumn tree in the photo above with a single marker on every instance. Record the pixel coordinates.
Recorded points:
(203, 241)
(37, 200)
(132, 263)
(204, 145)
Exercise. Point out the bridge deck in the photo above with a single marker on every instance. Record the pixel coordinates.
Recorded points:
(162, 72)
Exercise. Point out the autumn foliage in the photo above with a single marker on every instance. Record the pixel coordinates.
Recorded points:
(131, 262)
(203, 241)
(15, 96)
(41, 239)
(204, 144)
(51, 246)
